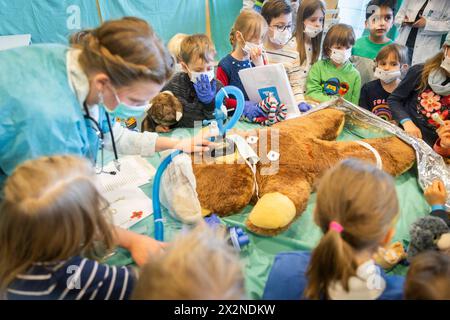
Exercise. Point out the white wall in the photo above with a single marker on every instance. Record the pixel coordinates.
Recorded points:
(353, 12)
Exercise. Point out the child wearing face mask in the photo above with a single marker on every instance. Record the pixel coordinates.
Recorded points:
(334, 75)
(278, 14)
(379, 21)
(195, 87)
(423, 92)
(246, 38)
(390, 62)
(308, 35)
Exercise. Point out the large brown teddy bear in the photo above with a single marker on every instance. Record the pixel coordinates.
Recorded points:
(306, 150)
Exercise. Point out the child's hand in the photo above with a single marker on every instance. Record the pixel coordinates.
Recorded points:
(143, 248)
(412, 129)
(436, 194)
(256, 56)
(444, 134)
(205, 90)
(162, 129)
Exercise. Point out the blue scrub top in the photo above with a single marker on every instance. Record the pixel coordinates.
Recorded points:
(39, 113)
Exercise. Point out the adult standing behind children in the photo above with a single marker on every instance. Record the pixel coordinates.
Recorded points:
(379, 21)
(422, 24)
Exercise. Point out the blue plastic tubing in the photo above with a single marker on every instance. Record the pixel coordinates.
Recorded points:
(157, 216)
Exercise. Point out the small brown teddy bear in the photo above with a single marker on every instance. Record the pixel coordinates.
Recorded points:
(165, 111)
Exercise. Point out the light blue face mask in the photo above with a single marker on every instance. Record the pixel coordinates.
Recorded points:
(124, 111)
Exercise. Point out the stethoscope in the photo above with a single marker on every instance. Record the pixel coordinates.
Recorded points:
(101, 137)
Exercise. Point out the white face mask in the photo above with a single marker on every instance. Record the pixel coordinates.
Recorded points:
(178, 68)
(435, 80)
(281, 37)
(311, 31)
(446, 63)
(195, 76)
(340, 56)
(387, 76)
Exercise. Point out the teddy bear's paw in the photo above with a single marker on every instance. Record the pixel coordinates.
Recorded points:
(272, 213)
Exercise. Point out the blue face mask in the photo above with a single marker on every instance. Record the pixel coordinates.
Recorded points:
(124, 111)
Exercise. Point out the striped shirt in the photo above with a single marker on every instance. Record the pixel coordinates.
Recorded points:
(297, 74)
(75, 279)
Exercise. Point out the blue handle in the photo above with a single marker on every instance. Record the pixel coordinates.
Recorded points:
(157, 216)
(220, 116)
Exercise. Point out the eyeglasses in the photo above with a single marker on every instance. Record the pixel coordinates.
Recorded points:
(282, 28)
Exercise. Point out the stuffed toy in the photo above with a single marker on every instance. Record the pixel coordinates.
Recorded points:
(165, 111)
(293, 155)
(429, 233)
(389, 257)
(271, 111)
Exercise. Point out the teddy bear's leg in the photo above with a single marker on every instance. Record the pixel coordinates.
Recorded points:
(397, 157)
(223, 188)
(282, 199)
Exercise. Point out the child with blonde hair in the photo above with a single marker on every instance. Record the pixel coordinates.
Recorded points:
(53, 223)
(198, 265)
(246, 38)
(334, 75)
(174, 47)
(195, 86)
(356, 209)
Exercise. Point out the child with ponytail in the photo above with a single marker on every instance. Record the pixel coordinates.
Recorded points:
(356, 210)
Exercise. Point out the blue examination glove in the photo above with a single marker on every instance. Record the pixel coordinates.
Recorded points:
(252, 110)
(205, 90)
(303, 107)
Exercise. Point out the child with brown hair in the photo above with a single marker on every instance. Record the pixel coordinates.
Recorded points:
(246, 38)
(391, 63)
(428, 277)
(379, 21)
(424, 91)
(334, 75)
(53, 222)
(308, 35)
(198, 265)
(356, 209)
(195, 87)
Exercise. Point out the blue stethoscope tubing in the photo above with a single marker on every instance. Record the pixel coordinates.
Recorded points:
(220, 118)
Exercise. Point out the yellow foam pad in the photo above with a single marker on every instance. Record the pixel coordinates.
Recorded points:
(272, 211)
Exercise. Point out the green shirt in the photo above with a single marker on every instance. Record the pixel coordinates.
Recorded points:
(323, 71)
(366, 48)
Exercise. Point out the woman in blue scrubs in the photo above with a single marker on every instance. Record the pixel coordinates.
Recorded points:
(60, 100)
